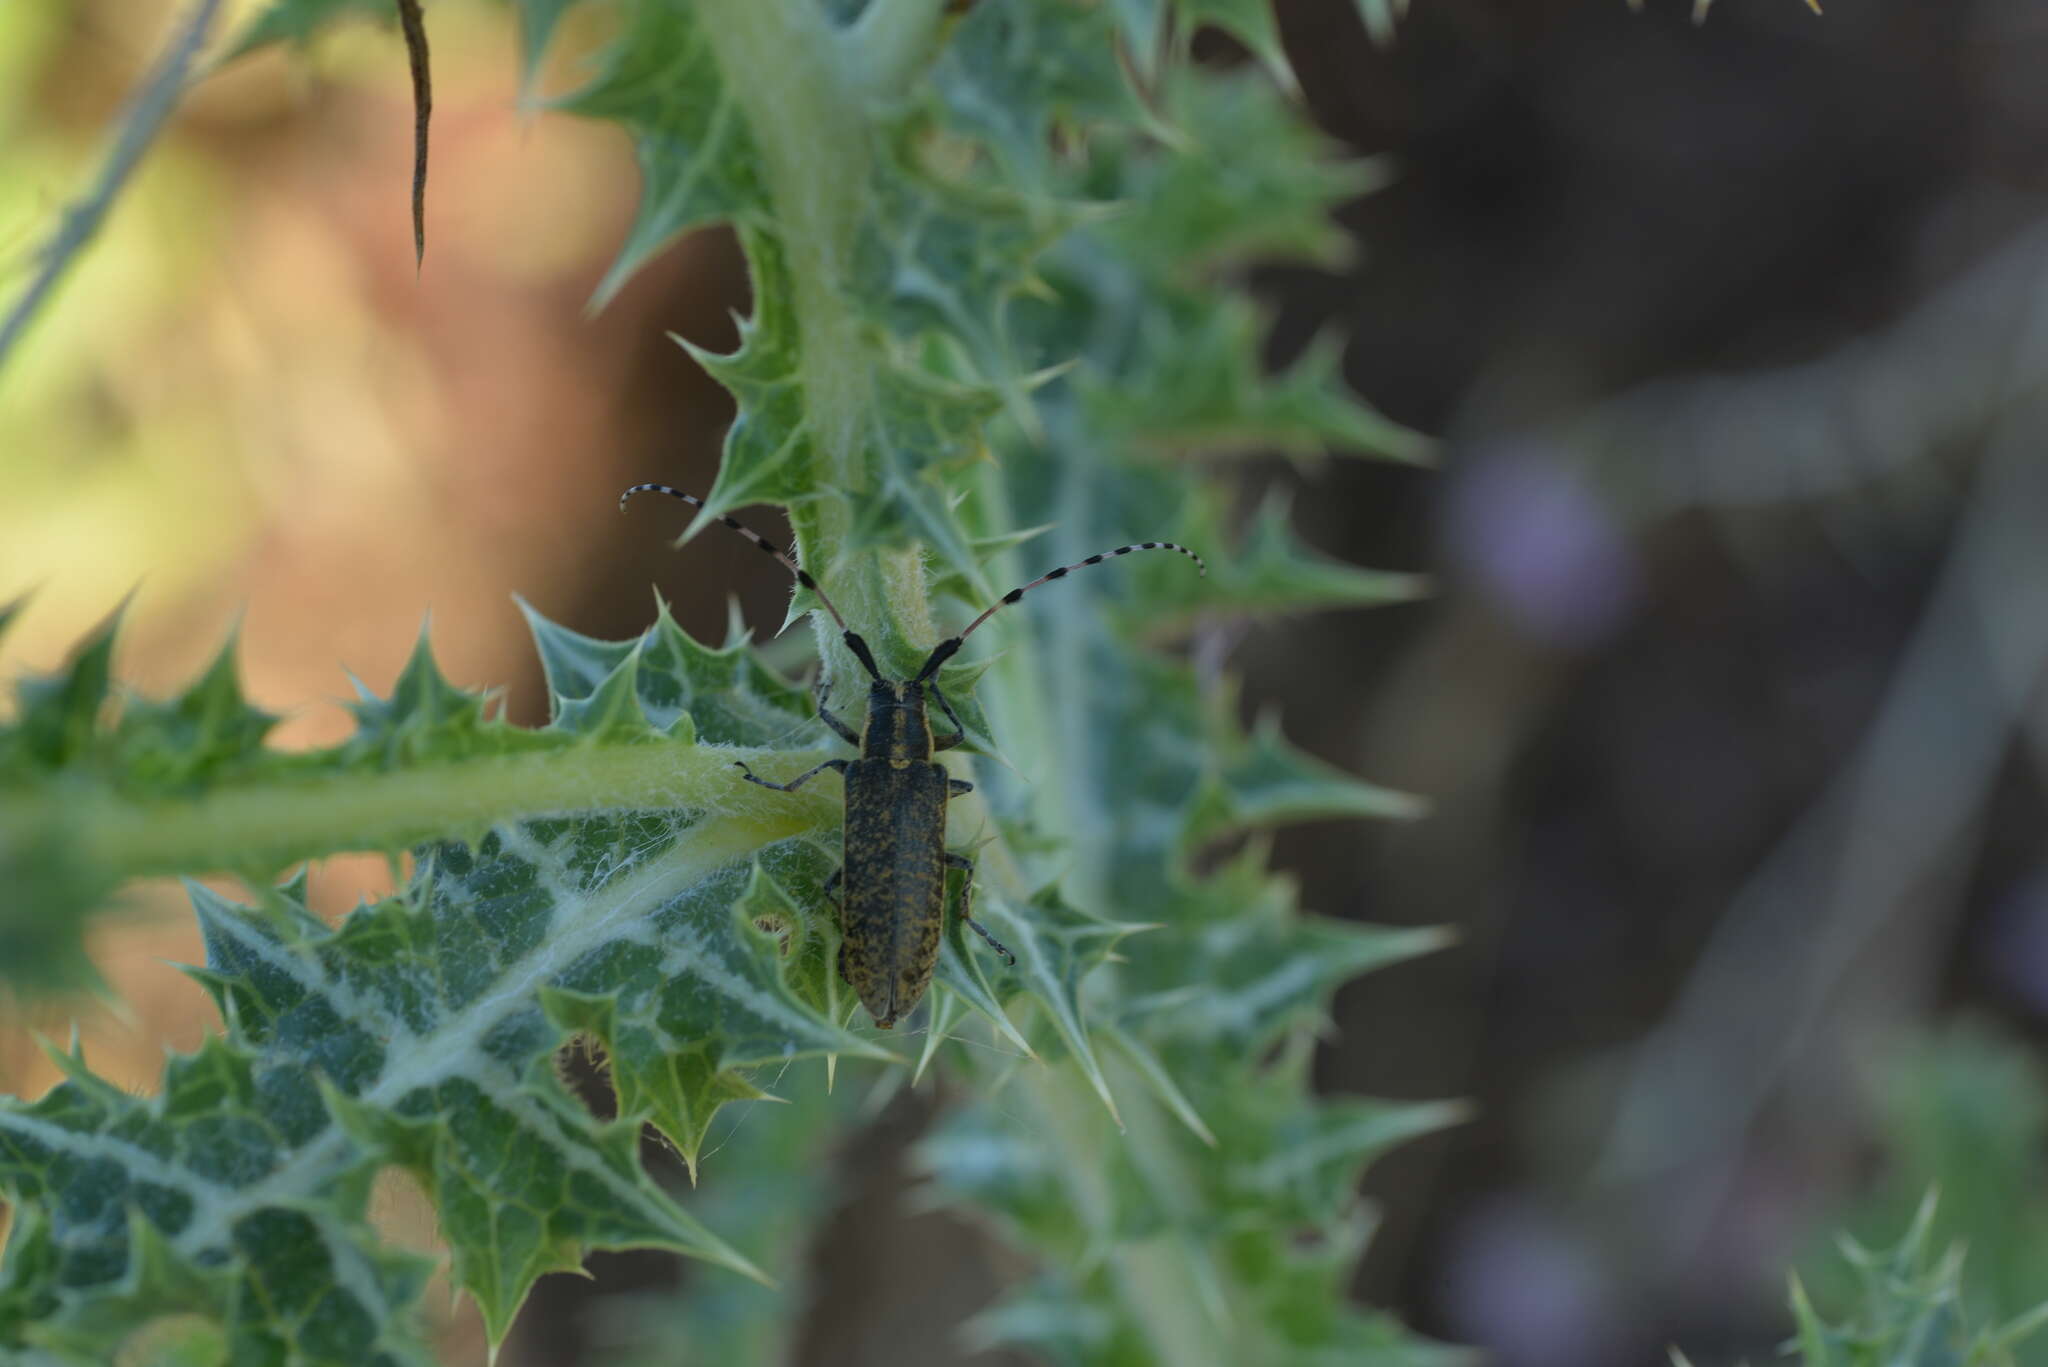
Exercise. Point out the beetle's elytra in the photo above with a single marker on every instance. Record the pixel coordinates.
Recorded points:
(892, 882)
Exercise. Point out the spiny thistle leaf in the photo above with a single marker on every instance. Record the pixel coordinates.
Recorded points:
(1012, 74)
(417, 1034)
(186, 741)
(1269, 181)
(1204, 390)
(57, 716)
(773, 1171)
(1250, 968)
(913, 421)
(1057, 947)
(537, 21)
(95, 789)
(1234, 971)
(1251, 22)
(662, 83)
(989, 296)
(295, 21)
(126, 1213)
(1909, 1311)
(906, 260)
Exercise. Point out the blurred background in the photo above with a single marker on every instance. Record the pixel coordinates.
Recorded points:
(1729, 701)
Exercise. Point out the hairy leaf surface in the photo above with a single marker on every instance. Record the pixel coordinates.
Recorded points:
(994, 330)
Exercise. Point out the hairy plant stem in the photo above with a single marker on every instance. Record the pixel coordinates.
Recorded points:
(144, 118)
(890, 41)
(1154, 1282)
(266, 826)
(791, 73)
(1170, 1288)
(779, 63)
(811, 129)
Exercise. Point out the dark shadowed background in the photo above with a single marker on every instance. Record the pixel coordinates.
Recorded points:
(1729, 700)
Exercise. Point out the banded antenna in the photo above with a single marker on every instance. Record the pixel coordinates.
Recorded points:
(853, 641)
(946, 649)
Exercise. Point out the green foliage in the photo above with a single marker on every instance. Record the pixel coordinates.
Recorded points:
(1909, 1311)
(990, 294)
(1964, 1111)
(299, 20)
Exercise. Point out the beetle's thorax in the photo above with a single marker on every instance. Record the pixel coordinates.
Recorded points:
(897, 729)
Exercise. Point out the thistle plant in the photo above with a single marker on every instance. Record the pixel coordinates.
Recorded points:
(1909, 1310)
(995, 323)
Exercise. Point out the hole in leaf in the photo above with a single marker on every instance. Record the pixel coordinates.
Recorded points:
(779, 926)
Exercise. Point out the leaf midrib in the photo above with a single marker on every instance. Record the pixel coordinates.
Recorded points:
(453, 1050)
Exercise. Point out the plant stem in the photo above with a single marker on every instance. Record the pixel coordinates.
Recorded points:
(890, 41)
(267, 825)
(805, 106)
(1157, 1280)
(778, 60)
(139, 127)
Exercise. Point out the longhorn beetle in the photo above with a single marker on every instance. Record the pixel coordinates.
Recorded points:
(892, 883)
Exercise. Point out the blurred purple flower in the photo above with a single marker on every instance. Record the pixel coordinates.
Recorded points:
(1530, 535)
(1522, 1285)
(2014, 947)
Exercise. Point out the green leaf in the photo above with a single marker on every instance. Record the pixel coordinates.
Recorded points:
(990, 294)
(119, 1223)
(1909, 1310)
(1012, 74)
(206, 732)
(538, 20)
(661, 82)
(1244, 975)
(1264, 781)
(676, 1051)
(834, 213)
(685, 689)
(1201, 388)
(1313, 1151)
(296, 21)
(184, 785)
(57, 715)
(1252, 23)
(912, 421)
(1381, 17)
(1249, 178)
(1057, 946)
(425, 718)
(418, 1034)
(774, 1172)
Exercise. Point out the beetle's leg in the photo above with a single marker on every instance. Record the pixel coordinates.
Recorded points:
(799, 781)
(826, 715)
(963, 863)
(832, 887)
(959, 731)
(957, 787)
